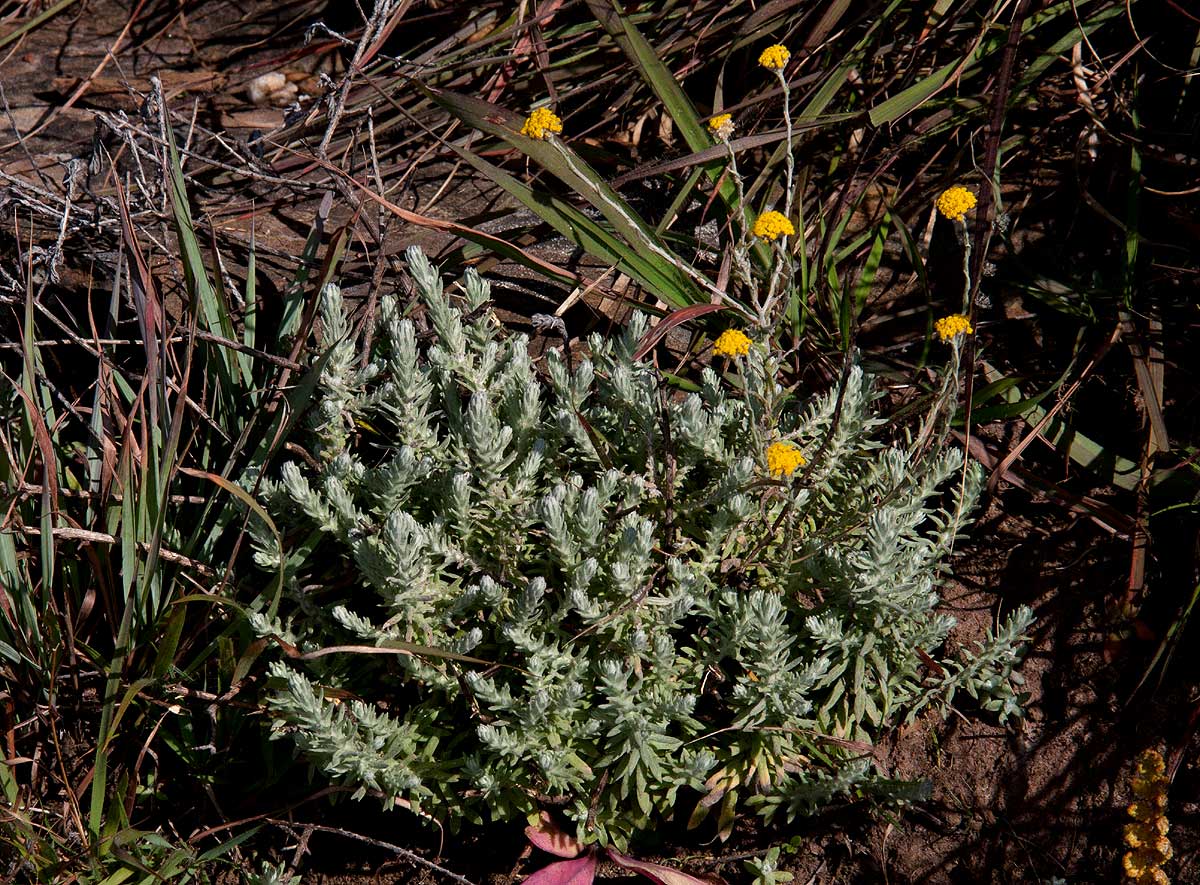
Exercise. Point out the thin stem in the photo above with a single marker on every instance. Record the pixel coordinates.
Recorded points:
(790, 160)
(780, 273)
(964, 238)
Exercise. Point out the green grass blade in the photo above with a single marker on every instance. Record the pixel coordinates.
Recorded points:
(579, 176)
(211, 307)
(575, 226)
(294, 295)
(36, 419)
(35, 22)
(168, 645)
(227, 846)
(1081, 449)
(892, 109)
(1076, 26)
(1170, 642)
(870, 268)
(679, 202)
(129, 570)
(246, 498)
(250, 317)
(680, 108)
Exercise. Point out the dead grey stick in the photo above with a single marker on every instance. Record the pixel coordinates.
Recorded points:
(337, 104)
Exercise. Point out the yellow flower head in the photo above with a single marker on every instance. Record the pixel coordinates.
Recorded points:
(949, 327)
(772, 225)
(774, 58)
(541, 123)
(732, 342)
(783, 459)
(721, 126)
(956, 202)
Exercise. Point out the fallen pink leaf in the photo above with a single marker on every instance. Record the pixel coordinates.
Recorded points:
(658, 873)
(581, 871)
(550, 837)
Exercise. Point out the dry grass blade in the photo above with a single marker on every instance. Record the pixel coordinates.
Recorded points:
(44, 443)
(88, 536)
(1079, 448)
(1148, 369)
(708, 154)
(1036, 431)
(468, 233)
(145, 291)
(1104, 515)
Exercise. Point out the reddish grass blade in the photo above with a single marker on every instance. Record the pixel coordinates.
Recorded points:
(669, 322)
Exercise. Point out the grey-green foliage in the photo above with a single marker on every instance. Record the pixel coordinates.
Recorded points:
(765, 870)
(654, 611)
(272, 874)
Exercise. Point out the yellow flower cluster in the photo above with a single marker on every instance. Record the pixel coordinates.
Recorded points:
(949, 327)
(731, 343)
(783, 459)
(774, 58)
(721, 126)
(956, 202)
(1147, 835)
(772, 225)
(541, 123)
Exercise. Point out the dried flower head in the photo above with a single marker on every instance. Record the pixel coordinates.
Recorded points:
(541, 123)
(1139, 835)
(783, 459)
(732, 342)
(949, 327)
(772, 225)
(1149, 834)
(1136, 863)
(774, 58)
(1150, 788)
(956, 202)
(1149, 765)
(1147, 809)
(1162, 847)
(1141, 865)
(721, 126)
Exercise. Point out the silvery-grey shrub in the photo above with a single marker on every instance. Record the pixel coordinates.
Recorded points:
(577, 588)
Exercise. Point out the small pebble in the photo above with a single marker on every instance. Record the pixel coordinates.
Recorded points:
(272, 89)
